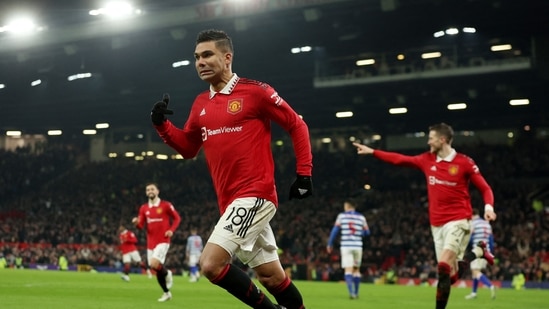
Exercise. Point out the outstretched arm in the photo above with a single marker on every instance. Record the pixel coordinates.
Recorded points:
(389, 157)
(478, 180)
(363, 149)
(333, 234)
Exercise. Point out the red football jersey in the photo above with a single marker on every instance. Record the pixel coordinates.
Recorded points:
(234, 128)
(159, 218)
(447, 183)
(128, 241)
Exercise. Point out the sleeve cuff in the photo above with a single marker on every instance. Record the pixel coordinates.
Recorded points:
(488, 207)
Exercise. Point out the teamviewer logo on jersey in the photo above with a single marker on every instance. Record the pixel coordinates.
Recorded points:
(229, 228)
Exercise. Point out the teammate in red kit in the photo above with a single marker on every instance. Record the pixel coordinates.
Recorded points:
(231, 122)
(130, 254)
(162, 220)
(448, 174)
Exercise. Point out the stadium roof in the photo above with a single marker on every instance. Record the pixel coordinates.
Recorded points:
(131, 61)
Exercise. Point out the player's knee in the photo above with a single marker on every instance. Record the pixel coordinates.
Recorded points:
(210, 268)
(271, 280)
(155, 264)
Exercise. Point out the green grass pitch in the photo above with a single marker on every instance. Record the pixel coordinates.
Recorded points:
(34, 289)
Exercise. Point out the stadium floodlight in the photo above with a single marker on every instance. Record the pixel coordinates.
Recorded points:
(13, 133)
(162, 157)
(456, 106)
(376, 137)
(496, 48)
(365, 62)
(89, 132)
(112, 155)
(302, 49)
(431, 55)
(54, 132)
(103, 125)
(516, 102)
(116, 10)
(180, 63)
(326, 140)
(469, 29)
(345, 114)
(451, 31)
(36, 82)
(398, 110)
(438, 34)
(23, 25)
(79, 76)
(129, 154)
(2, 86)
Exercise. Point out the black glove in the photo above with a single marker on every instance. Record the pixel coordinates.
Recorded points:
(160, 110)
(302, 187)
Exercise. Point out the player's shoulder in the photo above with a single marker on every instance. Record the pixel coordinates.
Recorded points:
(204, 95)
(464, 158)
(254, 84)
(427, 156)
(166, 203)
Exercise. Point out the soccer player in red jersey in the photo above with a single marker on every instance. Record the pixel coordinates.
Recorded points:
(448, 174)
(162, 220)
(231, 122)
(130, 254)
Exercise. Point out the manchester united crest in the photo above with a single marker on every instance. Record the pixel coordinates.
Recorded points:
(234, 106)
(453, 170)
(159, 211)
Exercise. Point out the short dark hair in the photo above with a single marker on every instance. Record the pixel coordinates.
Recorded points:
(351, 202)
(476, 212)
(151, 184)
(220, 37)
(443, 129)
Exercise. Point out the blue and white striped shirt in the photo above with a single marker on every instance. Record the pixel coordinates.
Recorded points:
(353, 227)
(482, 231)
(194, 245)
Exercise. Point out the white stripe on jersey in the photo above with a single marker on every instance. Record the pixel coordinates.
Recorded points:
(481, 231)
(352, 226)
(194, 244)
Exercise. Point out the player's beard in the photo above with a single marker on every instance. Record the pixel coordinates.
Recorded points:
(152, 197)
(435, 150)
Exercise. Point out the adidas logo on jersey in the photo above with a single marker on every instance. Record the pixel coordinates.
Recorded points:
(229, 228)
(203, 112)
(433, 168)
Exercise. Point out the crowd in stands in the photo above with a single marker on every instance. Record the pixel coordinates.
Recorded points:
(53, 204)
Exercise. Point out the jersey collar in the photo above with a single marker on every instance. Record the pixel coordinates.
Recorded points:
(154, 204)
(449, 157)
(228, 89)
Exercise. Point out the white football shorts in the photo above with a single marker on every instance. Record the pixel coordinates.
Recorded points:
(159, 252)
(453, 236)
(351, 257)
(244, 230)
(133, 256)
